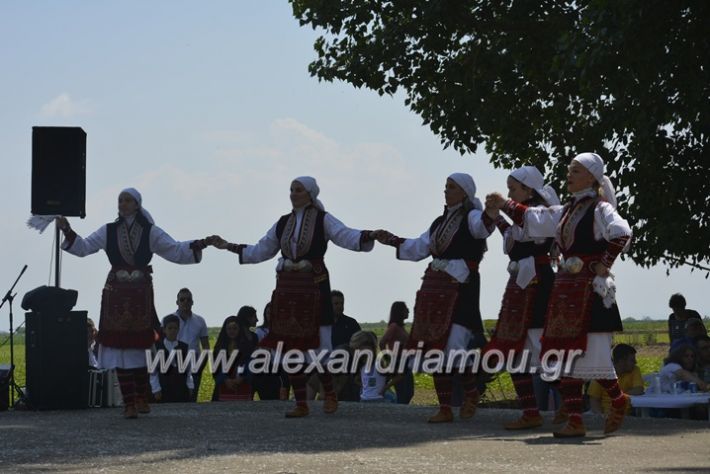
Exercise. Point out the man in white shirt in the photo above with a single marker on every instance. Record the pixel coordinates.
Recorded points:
(193, 332)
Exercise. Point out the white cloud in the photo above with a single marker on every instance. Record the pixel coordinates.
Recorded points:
(63, 106)
(292, 148)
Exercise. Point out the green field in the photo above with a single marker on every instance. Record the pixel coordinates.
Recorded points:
(650, 338)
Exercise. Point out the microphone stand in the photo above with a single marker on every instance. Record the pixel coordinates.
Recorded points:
(10, 297)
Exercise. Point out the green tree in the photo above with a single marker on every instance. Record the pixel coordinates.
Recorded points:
(538, 82)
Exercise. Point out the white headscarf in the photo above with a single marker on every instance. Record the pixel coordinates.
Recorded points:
(469, 187)
(532, 178)
(133, 192)
(312, 188)
(595, 165)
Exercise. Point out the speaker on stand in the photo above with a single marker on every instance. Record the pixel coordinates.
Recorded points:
(56, 344)
(57, 360)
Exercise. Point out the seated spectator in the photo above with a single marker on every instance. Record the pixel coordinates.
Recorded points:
(694, 328)
(172, 386)
(93, 348)
(702, 367)
(678, 320)
(396, 333)
(628, 373)
(679, 366)
(232, 381)
(374, 386)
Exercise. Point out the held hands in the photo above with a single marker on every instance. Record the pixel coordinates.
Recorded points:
(382, 236)
(217, 242)
(495, 201)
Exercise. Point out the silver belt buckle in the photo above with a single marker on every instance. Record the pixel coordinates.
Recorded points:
(126, 276)
(573, 265)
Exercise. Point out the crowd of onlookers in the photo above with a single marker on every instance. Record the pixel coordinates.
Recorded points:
(687, 362)
(186, 331)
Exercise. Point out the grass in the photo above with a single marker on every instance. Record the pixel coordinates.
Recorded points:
(650, 338)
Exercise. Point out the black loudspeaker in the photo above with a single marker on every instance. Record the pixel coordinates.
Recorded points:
(59, 171)
(56, 352)
(47, 299)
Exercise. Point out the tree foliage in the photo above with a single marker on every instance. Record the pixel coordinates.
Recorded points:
(536, 82)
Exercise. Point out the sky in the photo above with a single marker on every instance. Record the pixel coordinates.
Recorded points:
(208, 109)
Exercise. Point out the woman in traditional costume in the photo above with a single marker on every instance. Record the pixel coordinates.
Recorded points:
(447, 305)
(301, 307)
(522, 314)
(128, 321)
(582, 313)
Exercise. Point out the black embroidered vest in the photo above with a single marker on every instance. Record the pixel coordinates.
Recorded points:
(118, 239)
(463, 245)
(584, 242)
(316, 248)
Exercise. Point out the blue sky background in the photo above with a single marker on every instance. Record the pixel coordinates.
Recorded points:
(208, 109)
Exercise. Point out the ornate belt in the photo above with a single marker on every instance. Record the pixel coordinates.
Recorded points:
(576, 263)
(514, 265)
(127, 275)
(300, 266)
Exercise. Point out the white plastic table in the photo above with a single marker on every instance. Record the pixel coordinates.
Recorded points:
(667, 400)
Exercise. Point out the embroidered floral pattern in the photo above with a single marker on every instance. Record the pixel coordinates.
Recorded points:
(444, 233)
(305, 237)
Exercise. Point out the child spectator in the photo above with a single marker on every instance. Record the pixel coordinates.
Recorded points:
(374, 386)
(630, 379)
(172, 386)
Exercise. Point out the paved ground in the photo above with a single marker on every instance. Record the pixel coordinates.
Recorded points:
(254, 437)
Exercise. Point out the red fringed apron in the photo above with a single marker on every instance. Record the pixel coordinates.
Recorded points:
(296, 309)
(515, 317)
(569, 311)
(433, 310)
(128, 318)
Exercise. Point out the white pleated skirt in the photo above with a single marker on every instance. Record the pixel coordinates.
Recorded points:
(596, 362)
(115, 358)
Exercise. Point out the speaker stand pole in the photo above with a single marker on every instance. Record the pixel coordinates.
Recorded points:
(57, 266)
(9, 297)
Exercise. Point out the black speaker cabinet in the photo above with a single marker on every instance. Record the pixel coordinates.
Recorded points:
(57, 360)
(59, 171)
